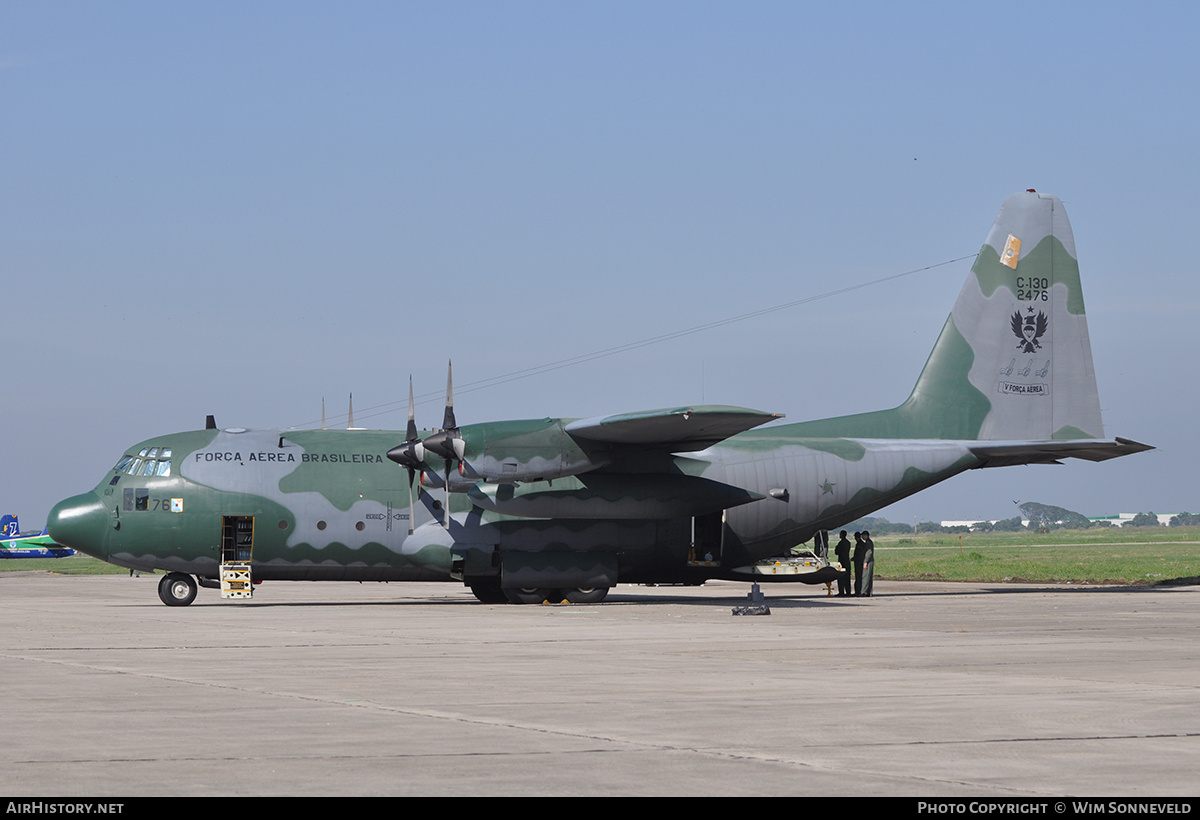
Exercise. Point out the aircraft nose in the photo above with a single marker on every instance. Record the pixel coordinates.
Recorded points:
(81, 522)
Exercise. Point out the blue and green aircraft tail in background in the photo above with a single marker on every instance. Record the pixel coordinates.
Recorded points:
(522, 511)
(17, 544)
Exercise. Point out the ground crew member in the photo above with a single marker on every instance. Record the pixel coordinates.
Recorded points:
(842, 551)
(860, 553)
(868, 565)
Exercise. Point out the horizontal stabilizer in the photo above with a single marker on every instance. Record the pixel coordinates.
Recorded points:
(679, 429)
(1004, 454)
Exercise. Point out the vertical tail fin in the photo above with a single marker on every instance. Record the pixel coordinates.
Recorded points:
(1014, 361)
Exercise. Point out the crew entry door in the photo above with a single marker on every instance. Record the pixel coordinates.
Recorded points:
(237, 547)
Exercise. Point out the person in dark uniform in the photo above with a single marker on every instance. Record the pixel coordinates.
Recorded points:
(860, 553)
(868, 565)
(842, 551)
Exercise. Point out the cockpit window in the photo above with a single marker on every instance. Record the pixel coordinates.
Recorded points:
(151, 461)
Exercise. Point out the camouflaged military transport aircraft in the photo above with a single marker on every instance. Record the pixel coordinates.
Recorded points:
(567, 508)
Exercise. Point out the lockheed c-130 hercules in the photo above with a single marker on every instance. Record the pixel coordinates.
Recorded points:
(568, 508)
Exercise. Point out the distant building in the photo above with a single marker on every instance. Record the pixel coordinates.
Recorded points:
(1118, 520)
(1121, 519)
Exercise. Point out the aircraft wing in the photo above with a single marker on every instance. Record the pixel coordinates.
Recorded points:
(1005, 453)
(677, 429)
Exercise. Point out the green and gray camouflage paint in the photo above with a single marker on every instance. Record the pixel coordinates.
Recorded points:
(579, 505)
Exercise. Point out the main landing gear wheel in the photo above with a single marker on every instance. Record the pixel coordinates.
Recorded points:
(177, 589)
(591, 595)
(488, 591)
(530, 595)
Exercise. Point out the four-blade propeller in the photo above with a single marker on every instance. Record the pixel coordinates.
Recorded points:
(447, 443)
(410, 454)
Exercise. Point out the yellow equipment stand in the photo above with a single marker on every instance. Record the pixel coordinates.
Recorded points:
(235, 580)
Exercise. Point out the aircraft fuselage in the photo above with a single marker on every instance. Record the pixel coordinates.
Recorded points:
(329, 505)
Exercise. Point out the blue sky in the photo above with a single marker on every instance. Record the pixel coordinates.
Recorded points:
(243, 208)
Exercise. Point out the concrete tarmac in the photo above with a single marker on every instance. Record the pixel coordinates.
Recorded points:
(415, 689)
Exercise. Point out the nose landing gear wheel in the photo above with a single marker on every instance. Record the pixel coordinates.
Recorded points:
(177, 589)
